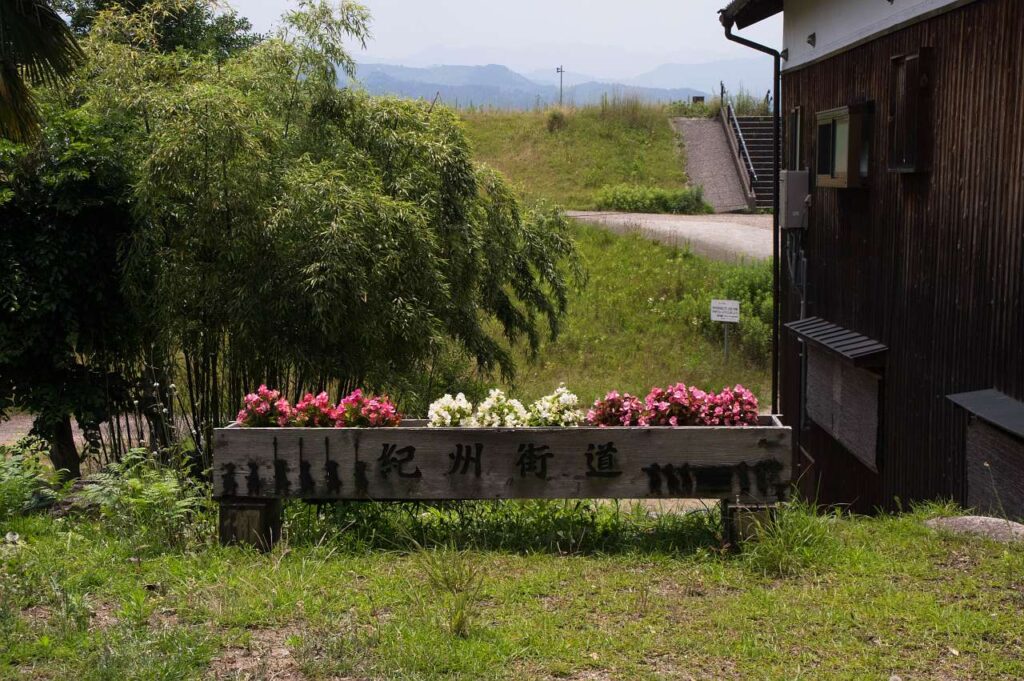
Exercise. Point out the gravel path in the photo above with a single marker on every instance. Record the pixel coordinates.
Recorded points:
(710, 164)
(719, 237)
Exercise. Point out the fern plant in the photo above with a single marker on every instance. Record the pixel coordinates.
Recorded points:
(153, 504)
(23, 483)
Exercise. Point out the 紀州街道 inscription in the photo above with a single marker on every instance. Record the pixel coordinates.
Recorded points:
(747, 464)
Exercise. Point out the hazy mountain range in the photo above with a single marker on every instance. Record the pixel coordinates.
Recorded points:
(499, 86)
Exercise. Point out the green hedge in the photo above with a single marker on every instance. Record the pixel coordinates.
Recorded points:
(640, 199)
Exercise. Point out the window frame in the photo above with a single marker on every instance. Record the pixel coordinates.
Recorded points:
(856, 169)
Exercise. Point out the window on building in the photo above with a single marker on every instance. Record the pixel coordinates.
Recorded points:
(843, 146)
(910, 113)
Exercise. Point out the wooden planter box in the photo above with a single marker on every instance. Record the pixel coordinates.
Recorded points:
(255, 468)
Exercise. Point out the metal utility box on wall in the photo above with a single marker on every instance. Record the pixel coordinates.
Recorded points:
(793, 191)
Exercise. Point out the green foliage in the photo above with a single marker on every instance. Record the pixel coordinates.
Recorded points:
(195, 27)
(66, 330)
(217, 220)
(24, 485)
(619, 141)
(155, 506)
(796, 538)
(638, 199)
(751, 284)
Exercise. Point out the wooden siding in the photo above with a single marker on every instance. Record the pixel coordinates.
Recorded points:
(930, 264)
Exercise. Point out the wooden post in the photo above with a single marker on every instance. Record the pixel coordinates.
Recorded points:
(740, 521)
(250, 522)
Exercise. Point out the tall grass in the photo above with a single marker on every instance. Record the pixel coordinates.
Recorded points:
(795, 539)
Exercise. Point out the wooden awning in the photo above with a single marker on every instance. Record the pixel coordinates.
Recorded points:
(849, 345)
(994, 407)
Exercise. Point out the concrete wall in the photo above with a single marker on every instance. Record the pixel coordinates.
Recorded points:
(841, 24)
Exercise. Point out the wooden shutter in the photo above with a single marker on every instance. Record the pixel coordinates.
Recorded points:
(910, 113)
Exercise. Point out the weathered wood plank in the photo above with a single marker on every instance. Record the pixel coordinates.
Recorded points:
(416, 463)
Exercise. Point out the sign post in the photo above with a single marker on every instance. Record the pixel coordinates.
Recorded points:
(727, 312)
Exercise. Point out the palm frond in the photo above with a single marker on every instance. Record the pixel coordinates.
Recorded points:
(19, 115)
(37, 46)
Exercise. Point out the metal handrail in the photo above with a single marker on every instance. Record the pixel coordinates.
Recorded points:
(743, 142)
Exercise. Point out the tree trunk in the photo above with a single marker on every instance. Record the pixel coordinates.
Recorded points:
(63, 452)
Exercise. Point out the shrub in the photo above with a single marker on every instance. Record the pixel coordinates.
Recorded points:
(23, 484)
(639, 199)
(556, 120)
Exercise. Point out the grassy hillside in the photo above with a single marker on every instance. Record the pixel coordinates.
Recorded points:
(638, 323)
(567, 156)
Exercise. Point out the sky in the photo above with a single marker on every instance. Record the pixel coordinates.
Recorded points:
(601, 38)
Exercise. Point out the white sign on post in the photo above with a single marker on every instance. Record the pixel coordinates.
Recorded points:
(725, 311)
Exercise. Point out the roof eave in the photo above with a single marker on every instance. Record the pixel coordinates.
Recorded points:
(743, 13)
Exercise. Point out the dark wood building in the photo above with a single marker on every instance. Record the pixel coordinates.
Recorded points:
(902, 268)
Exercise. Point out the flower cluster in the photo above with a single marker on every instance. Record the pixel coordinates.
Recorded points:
(367, 411)
(264, 408)
(450, 412)
(560, 408)
(314, 412)
(618, 410)
(734, 406)
(500, 411)
(673, 406)
(677, 405)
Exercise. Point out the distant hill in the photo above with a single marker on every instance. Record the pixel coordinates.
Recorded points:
(499, 86)
(754, 75)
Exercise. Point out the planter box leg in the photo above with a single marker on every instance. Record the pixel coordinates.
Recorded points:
(251, 523)
(740, 521)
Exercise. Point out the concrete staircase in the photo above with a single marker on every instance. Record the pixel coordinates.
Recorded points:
(757, 133)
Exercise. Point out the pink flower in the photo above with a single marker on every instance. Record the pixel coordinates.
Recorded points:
(617, 410)
(264, 408)
(314, 412)
(358, 410)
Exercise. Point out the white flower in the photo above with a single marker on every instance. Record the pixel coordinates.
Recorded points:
(499, 411)
(560, 408)
(450, 412)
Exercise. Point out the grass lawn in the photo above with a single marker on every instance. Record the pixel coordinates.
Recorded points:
(523, 591)
(624, 142)
(634, 326)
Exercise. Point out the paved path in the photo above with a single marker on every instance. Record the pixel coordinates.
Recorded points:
(709, 163)
(720, 237)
